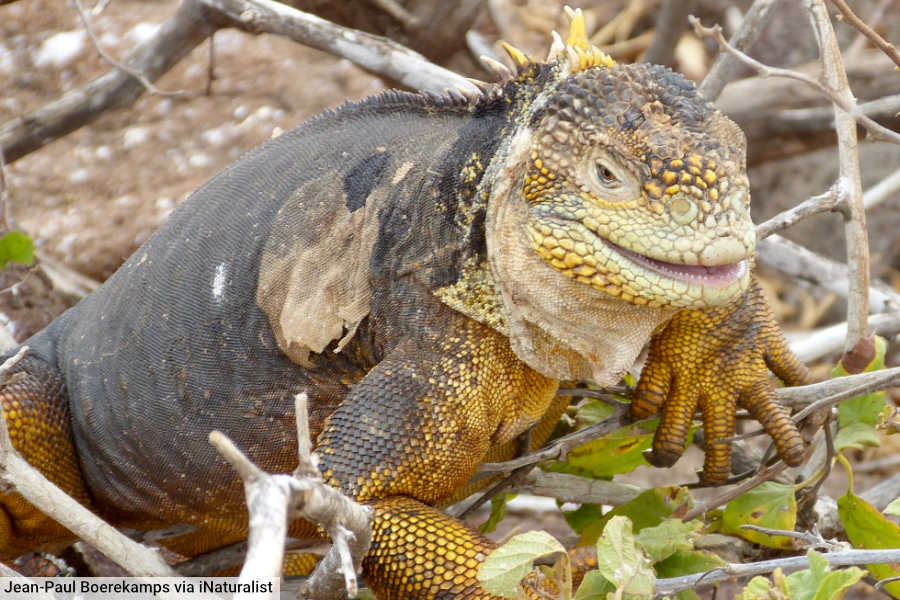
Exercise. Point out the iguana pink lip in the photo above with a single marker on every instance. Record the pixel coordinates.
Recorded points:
(718, 275)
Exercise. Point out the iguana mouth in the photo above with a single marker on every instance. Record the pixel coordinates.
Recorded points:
(718, 275)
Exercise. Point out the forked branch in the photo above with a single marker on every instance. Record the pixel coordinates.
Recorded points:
(274, 500)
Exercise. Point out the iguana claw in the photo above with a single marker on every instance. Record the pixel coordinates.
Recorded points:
(717, 360)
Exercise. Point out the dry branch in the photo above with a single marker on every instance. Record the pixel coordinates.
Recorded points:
(193, 22)
(828, 201)
(855, 231)
(830, 340)
(845, 558)
(851, 19)
(273, 500)
(572, 488)
(559, 448)
(374, 53)
(671, 23)
(175, 39)
(726, 66)
(15, 472)
(877, 130)
(805, 265)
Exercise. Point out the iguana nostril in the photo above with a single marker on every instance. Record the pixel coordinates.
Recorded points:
(683, 211)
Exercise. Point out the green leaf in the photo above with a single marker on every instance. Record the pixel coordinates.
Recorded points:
(591, 412)
(622, 561)
(16, 246)
(759, 588)
(819, 582)
(803, 585)
(618, 452)
(594, 586)
(836, 583)
(670, 536)
(686, 562)
(859, 415)
(869, 529)
(583, 517)
(771, 505)
(893, 508)
(856, 435)
(506, 566)
(498, 512)
(646, 510)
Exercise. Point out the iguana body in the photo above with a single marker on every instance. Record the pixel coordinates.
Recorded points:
(427, 270)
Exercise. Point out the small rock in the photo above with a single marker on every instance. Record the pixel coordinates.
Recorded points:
(59, 50)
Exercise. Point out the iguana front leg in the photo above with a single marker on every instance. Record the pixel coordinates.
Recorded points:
(719, 359)
(412, 432)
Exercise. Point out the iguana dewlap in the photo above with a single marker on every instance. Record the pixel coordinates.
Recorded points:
(426, 269)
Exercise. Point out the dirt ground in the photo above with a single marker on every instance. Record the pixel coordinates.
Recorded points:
(91, 198)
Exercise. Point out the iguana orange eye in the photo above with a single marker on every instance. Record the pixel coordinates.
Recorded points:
(606, 176)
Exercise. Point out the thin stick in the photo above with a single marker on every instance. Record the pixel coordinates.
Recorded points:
(729, 494)
(846, 558)
(856, 235)
(851, 19)
(877, 130)
(828, 201)
(725, 67)
(137, 74)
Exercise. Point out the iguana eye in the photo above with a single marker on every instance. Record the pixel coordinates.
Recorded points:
(605, 176)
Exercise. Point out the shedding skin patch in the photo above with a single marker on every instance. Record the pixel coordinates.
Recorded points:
(401, 172)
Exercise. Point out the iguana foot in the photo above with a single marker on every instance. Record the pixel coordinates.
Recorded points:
(719, 359)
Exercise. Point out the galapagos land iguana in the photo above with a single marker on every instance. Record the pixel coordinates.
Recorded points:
(426, 269)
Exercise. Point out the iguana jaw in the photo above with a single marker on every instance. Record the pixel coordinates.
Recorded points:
(715, 276)
(577, 251)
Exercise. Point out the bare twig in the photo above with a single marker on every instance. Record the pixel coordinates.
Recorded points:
(122, 67)
(371, 52)
(52, 501)
(726, 66)
(828, 201)
(4, 196)
(180, 34)
(846, 558)
(809, 540)
(572, 488)
(830, 340)
(886, 188)
(877, 130)
(855, 231)
(193, 22)
(851, 19)
(273, 499)
(397, 11)
(842, 388)
(805, 265)
(731, 493)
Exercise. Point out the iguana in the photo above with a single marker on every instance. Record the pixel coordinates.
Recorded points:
(427, 269)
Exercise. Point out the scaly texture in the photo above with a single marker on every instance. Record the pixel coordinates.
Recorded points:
(695, 362)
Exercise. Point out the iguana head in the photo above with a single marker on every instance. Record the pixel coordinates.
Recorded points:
(636, 185)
